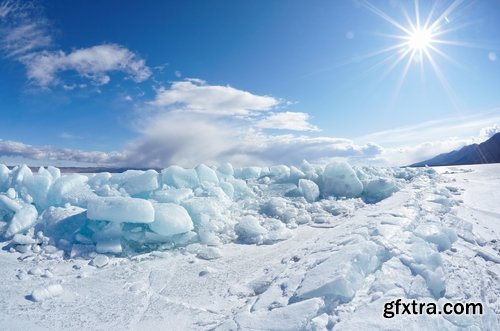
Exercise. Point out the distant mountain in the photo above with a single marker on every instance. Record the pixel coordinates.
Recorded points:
(485, 152)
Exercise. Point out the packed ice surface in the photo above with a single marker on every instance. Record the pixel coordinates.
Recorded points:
(312, 247)
(120, 209)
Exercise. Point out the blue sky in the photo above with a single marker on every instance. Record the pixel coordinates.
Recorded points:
(150, 83)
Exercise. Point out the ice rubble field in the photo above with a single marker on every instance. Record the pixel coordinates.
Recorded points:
(253, 248)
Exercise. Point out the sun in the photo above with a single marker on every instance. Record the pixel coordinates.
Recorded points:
(420, 39)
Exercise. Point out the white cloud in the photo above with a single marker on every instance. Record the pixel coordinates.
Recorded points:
(295, 121)
(94, 63)
(191, 138)
(200, 123)
(461, 126)
(10, 148)
(25, 37)
(488, 132)
(194, 95)
(412, 153)
(22, 30)
(406, 155)
(66, 135)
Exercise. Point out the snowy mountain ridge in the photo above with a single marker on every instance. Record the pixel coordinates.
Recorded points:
(485, 152)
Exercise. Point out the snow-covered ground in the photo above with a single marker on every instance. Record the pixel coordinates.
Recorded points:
(249, 249)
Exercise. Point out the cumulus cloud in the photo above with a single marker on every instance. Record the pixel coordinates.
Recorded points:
(295, 121)
(22, 29)
(488, 132)
(194, 95)
(10, 148)
(94, 63)
(25, 36)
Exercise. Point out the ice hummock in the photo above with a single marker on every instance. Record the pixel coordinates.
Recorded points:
(138, 211)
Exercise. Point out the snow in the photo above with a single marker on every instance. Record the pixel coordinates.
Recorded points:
(311, 247)
(45, 293)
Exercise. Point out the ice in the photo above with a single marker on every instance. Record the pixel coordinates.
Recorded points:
(179, 177)
(100, 260)
(19, 174)
(209, 253)
(280, 173)
(200, 207)
(55, 172)
(292, 317)
(379, 189)
(172, 195)
(108, 240)
(279, 247)
(8, 204)
(46, 292)
(83, 251)
(309, 190)
(207, 175)
(442, 237)
(100, 179)
(72, 189)
(249, 230)
(277, 232)
(274, 207)
(62, 223)
(341, 275)
(427, 262)
(4, 177)
(170, 219)
(143, 182)
(121, 209)
(225, 170)
(23, 240)
(247, 173)
(228, 188)
(340, 180)
(240, 189)
(38, 186)
(22, 220)
(320, 323)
